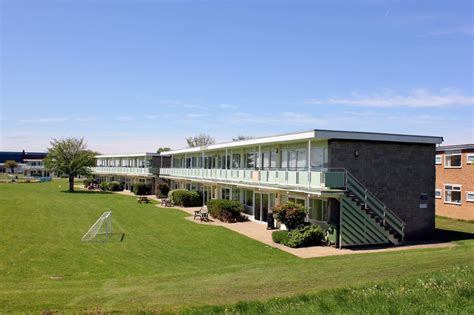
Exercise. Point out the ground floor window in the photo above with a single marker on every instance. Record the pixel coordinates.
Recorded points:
(236, 194)
(299, 201)
(317, 210)
(470, 196)
(452, 194)
(438, 193)
(225, 193)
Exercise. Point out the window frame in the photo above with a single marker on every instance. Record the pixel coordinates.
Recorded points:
(440, 156)
(452, 189)
(468, 155)
(467, 196)
(450, 155)
(440, 194)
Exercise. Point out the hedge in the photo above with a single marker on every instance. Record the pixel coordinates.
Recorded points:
(225, 210)
(142, 189)
(303, 236)
(111, 186)
(290, 214)
(185, 198)
(162, 190)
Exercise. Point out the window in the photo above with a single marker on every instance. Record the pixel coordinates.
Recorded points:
(250, 160)
(317, 210)
(470, 196)
(249, 198)
(236, 194)
(438, 193)
(236, 160)
(299, 201)
(319, 157)
(438, 159)
(225, 193)
(470, 158)
(452, 194)
(452, 160)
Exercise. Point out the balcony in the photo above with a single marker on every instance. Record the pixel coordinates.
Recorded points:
(122, 170)
(304, 180)
(33, 167)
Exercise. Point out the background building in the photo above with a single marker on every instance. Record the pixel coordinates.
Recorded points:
(30, 164)
(455, 181)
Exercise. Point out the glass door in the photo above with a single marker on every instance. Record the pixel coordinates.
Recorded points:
(261, 206)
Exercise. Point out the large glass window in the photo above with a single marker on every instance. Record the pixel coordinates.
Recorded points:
(452, 160)
(292, 160)
(299, 201)
(250, 160)
(249, 198)
(302, 158)
(452, 194)
(319, 157)
(225, 193)
(317, 210)
(438, 159)
(236, 194)
(236, 160)
(273, 159)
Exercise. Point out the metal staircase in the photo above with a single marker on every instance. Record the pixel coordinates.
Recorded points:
(365, 220)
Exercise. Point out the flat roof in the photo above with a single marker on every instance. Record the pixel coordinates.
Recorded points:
(317, 134)
(455, 147)
(144, 154)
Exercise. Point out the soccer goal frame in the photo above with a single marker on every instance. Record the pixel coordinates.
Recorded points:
(102, 228)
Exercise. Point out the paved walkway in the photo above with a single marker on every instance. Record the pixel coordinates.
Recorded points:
(259, 232)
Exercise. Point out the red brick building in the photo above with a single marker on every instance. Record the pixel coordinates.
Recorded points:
(455, 181)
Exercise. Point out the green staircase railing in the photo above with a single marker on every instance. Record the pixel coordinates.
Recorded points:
(364, 218)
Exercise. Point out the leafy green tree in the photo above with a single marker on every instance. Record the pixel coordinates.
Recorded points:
(200, 140)
(11, 164)
(70, 157)
(163, 149)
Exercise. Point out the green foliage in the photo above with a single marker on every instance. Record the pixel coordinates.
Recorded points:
(290, 214)
(89, 181)
(11, 164)
(200, 140)
(163, 149)
(280, 237)
(304, 236)
(70, 157)
(185, 198)
(114, 186)
(162, 190)
(142, 189)
(104, 186)
(225, 210)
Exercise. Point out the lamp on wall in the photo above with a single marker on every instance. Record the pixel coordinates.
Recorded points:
(356, 153)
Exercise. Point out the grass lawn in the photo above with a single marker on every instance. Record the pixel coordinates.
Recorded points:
(167, 263)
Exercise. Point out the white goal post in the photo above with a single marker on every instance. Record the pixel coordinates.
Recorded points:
(103, 226)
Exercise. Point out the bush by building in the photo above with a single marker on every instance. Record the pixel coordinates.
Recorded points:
(142, 189)
(185, 198)
(162, 191)
(302, 236)
(111, 186)
(290, 214)
(225, 210)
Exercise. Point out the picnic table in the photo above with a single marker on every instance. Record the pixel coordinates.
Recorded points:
(143, 199)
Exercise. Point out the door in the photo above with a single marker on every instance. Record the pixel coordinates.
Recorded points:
(261, 206)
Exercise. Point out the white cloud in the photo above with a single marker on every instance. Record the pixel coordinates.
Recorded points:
(86, 119)
(227, 106)
(195, 115)
(419, 98)
(459, 30)
(43, 120)
(125, 118)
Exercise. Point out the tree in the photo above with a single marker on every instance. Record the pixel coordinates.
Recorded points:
(11, 164)
(241, 137)
(70, 157)
(163, 149)
(200, 140)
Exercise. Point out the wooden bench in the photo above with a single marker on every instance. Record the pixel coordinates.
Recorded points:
(202, 214)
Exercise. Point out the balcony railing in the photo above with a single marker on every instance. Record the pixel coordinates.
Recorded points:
(124, 170)
(33, 167)
(281, 178)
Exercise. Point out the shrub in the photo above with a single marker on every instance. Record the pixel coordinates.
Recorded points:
(162, 190)
(280, 237)
(290, 214)
(304, 236)
(142, 189)
(104, 186)
(114, 186)
(89, 181)
(225, 210)
(185, 198)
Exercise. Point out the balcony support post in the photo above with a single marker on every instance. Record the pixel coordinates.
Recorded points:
(309, 164)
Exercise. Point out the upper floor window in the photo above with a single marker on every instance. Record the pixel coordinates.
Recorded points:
(319, 157)
(470, 158)
(452, 194)
(438, 159)
(452, 160)
(470, 196)
(250, 160)
(236, 160)
(438, 193)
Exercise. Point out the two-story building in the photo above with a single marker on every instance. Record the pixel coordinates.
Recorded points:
(30, 164)
(372, 187)
(128, 169)
(455, 181)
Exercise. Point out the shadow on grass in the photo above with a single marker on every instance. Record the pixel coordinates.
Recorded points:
(86, 192)
(449, 235)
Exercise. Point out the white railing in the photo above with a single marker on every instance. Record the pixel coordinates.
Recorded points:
(124, 170)
(33, 167)
(284, 178)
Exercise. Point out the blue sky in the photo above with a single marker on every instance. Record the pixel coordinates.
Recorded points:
(131, 76)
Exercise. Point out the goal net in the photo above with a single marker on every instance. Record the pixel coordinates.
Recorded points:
(101, 230)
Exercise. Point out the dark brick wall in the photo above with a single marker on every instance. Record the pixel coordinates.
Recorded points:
(397, 173)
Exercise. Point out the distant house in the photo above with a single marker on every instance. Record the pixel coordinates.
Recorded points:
(455, 181)
(29, 163)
